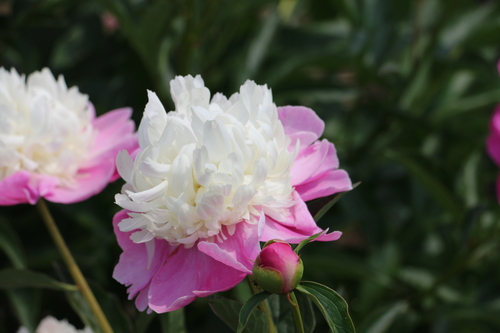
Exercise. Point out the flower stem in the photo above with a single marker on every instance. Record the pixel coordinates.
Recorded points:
(73, 267)
(297, 318)
(263, 305)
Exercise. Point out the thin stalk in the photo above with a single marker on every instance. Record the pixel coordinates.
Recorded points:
(297, 318)
(73, 268)
(263, 305)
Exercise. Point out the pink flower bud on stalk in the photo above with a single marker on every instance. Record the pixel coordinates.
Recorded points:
(278, 269)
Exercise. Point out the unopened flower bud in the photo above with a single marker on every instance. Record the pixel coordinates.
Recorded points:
(278, 269)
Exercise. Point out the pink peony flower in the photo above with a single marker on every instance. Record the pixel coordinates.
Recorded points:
(51, 143)
(51, 325)
(211, 180)
(278, 269)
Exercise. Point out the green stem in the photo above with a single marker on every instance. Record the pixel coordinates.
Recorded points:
(73, 267)
(263, 305)
(297, 318)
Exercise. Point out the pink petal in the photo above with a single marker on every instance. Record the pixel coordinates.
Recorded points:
(299, 225)
(123, 238)
(187, 274)
(115, 132)
(16, 189)
(276, 230)
(88, 182)
(301, 123)
(237, 251)
(329, 183)
(498, 66)
(142, 299)
(313, 161)
(132, 269)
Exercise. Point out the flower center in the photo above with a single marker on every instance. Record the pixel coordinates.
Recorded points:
(44, 126)
(206, 165)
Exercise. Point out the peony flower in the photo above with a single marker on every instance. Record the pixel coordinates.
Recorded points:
(211, 180)
(51, 325)
(51, 143)
(278, 269)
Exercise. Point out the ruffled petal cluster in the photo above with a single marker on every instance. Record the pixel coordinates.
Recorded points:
(212, 179)
(52, 325)
(51, 143)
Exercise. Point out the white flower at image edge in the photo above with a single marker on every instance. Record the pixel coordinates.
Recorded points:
(212, 179)
(51, 325)
(51, 143)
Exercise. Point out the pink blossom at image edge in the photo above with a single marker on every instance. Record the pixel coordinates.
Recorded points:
(114, 132)
(174, 276)
(493, 140)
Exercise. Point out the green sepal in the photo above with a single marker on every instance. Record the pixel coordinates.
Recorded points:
(269, 279)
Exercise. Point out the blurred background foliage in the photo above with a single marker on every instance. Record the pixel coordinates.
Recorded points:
(406, 89)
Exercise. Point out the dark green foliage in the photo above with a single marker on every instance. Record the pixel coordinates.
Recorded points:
(406, 89)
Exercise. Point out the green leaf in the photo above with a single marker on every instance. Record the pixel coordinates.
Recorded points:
(18, 278)
(332, 306)
(11, 245)
(110, 304)
(26, 305)
(472, 103)
(228, 311)
(384, 318)
(260, 46)
(173, 321)
(81, 307)
(247, 308)
(319, 207)
(434, 186)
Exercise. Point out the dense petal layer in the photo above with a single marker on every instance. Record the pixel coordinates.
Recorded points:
(301, 123)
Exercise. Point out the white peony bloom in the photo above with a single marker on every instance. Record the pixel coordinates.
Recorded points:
(210, 163)
(52, 145)
(51, 325)
(44, 126)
